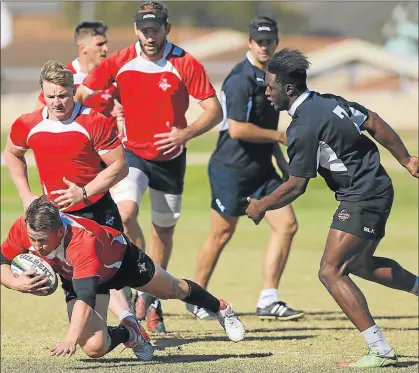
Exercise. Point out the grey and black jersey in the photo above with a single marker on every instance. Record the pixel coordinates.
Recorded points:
(325, 137)
(243, 100)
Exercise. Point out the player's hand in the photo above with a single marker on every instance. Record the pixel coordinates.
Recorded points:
(64, 348)
(31, 283)
(27, 200)
(117, 110)
(172, 140)
(413, 166)
(68, 197)
(255, 210)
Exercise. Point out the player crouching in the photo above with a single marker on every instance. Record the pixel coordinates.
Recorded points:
(91, 259)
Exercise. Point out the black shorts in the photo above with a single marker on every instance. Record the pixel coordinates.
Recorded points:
(103, 212)
(137, 269)
(365, 219)
(165, 176)
(229, 190)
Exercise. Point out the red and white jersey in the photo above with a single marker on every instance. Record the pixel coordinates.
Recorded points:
(69, 149)
(153, 94)
(101, 101)
(86, 250)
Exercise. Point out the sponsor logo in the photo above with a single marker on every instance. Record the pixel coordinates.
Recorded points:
(343, 215)
(220, 205)
(260, 80)
(113, 265)
(264, 28)
(369, 230)
(149, 16)
(164, 85)
(142, 268)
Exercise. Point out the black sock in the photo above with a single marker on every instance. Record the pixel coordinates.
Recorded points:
(198, 296)
(118, 334)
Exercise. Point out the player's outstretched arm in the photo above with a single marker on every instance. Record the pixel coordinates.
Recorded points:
(280, 197)
(387, 137)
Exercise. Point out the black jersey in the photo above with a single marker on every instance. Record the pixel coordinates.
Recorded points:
(243, 100)
(325, 137)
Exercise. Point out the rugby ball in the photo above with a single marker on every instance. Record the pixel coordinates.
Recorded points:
(23, 262)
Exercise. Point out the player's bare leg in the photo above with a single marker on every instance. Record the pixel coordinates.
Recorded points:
(129, 215)
(344, 254)
(221, 230)
(98, 338)
(165, 286)
(283, 224)
(118, 303)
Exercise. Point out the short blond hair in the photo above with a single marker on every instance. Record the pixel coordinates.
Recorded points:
(57, 73)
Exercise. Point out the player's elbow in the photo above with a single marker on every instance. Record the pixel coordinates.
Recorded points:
(300, 186)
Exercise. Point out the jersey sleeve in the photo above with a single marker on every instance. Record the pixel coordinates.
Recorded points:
(19, 134)
(197, 81)
(104, 134)
(237, 94)
(302, 151)
(17, 242)
(102, 76)
(357, 113)
(82, 254)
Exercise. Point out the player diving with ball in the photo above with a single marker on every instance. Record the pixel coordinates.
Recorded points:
(91, 259)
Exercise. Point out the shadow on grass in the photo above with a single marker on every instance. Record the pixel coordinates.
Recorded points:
(304, 329)
(375, 317)
(177, 342)
(175, 359)
(406, 364)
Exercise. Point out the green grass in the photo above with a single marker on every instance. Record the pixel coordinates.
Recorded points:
(31, 325)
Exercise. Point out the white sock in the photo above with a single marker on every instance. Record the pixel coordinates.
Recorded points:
(375, 338)
(415, 289)
(125, 314)
(267, 297)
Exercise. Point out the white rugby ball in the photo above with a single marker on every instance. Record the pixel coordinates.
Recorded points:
(23, 262)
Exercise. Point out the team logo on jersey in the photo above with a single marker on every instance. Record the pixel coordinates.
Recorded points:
(109, 220)
(142, 268)
(106, 95)
(164, 85)
(343, 215)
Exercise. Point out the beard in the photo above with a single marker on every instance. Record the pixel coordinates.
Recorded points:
(157, 48)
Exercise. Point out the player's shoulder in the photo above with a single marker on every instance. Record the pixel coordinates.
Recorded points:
(241, 74)
(178, 55)
(87, 115)
(30, 119)
(122, 56)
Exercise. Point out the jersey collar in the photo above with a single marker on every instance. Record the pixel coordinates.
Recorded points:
(167, 49)
(300, 99)
(76, 110)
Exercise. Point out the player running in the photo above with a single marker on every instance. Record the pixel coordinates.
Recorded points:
(325, 137)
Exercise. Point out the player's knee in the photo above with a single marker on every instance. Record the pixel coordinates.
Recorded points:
(165, 219)
(222, 235)
(327, 273)
(128, 212)
(95, 348)
(291, 227)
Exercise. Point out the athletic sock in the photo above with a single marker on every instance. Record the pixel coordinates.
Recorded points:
(118, 334)
(267, 297)
(415, 289)
(201, 298)
(125, 314)
(375, 338)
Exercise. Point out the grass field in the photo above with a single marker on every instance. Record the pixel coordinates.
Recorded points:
(31, 325)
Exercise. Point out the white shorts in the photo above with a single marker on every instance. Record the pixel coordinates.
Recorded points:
(165, 207)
